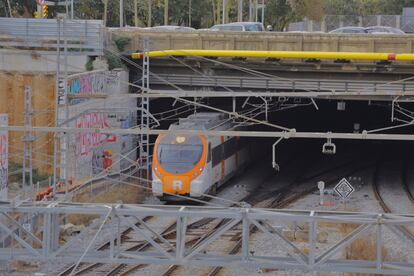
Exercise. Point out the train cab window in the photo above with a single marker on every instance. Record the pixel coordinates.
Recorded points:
(179, 153)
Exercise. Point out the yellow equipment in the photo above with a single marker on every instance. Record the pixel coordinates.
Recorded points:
(278, 54)
(44, 11)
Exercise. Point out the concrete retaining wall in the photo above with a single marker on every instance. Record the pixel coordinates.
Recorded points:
(37, 61)
(12, 103)
(91, 153)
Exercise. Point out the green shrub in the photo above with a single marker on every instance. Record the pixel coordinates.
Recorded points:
(114, 61)
(121, 42)
(89, 65)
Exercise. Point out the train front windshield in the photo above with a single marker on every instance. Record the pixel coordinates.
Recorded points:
(179, 158)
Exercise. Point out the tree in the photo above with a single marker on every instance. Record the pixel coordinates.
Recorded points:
(312, 9)
(279, 14)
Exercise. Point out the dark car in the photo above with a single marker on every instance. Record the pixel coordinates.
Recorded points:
(383, 30)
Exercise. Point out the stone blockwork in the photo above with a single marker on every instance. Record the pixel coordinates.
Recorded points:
(263, 41)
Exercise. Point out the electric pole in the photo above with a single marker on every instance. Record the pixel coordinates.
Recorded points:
(149, 13)
(224, 11)
(105, 12)
(250, 11)
(121, 13)
(189, 13)
(255, 11)
(165, 12)
(136, 12)
(240, 11)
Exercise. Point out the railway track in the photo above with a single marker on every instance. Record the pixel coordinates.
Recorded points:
(386, 208)
(198, 230)
(122, 269)
(278, 199)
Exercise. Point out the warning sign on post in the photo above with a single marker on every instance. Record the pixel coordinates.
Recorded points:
(344, 189)
(4, 160)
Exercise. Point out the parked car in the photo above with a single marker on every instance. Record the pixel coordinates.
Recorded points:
(349, 30)
(383, 30)
(171, 28)
(239, 27)
(367, 30)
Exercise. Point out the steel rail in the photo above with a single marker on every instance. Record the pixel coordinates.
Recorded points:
(405, 183)
(280, 205)
(166, 233)
(385, 206)
(274, 203)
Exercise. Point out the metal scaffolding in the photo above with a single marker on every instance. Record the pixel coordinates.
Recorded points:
(28, 139)
(144, 150)
(310, 255)
(61, 106)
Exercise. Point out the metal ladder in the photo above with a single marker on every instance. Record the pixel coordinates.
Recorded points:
(145, 119)
(61, 140)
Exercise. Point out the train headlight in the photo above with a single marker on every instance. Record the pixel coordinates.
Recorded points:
(180, 139)
(200, 169)
(157, 172)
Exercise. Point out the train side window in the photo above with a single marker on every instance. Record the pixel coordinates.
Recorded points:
(216, 154)
(229, 148)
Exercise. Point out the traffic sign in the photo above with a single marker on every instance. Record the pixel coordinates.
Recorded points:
(344, 189)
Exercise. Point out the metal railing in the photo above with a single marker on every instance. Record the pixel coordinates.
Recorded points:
(83, 36)
(313, 252)
(285, 84)
(331, 22)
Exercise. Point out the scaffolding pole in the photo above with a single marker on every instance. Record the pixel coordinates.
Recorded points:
(28, 140)
(145, 123)
(61, 107)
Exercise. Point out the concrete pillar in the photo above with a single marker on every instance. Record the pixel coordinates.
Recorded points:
(398, 21)
(379, 20)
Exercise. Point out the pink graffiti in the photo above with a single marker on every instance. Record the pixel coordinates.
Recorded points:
(86, 142)
(86, 84)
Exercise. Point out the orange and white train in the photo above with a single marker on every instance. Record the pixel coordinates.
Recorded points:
(194, 165)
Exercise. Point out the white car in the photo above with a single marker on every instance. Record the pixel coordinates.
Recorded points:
(171, 28)
(239, 27)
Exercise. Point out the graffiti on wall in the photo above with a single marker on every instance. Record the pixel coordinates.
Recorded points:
(3, 157)
(90, 147)
(87, 84)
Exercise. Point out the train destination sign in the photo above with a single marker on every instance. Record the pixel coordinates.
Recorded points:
(344, 189)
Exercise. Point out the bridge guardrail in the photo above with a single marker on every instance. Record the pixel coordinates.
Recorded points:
(83, 36)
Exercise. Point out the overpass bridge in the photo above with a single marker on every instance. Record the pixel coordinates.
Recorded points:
(277, 74)
(270, 41)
